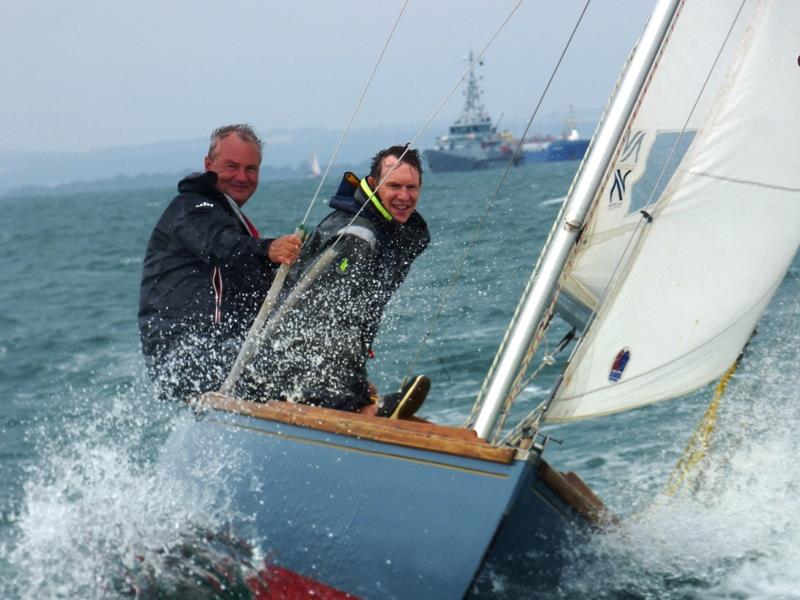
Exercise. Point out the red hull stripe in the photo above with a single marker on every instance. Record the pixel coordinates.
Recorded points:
(277, 583)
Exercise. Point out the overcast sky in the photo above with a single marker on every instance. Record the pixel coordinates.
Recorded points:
(86, 74)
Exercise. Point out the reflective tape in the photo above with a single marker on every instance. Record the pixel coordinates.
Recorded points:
(376, 202)
(359, 231)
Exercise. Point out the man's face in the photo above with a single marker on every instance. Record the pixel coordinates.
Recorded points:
(399, 192)
(236, 164)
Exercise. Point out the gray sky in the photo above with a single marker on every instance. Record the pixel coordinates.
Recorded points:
(86, 74)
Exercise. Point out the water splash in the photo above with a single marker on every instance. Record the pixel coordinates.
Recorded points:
(102, 517)
(734, 532)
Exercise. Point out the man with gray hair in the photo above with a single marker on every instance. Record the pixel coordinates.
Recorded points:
(207, 270)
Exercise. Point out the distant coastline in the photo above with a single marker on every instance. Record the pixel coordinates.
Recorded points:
(147, 181)
(162, 164)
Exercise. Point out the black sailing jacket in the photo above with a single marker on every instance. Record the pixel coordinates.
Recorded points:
(204, 274)
(318, 354)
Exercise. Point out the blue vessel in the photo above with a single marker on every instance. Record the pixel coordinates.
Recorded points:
(472, 141)
(570, 146)
(382, 508)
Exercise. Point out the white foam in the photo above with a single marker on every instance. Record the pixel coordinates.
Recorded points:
(732, 531)
(551, 201)
(94, 510)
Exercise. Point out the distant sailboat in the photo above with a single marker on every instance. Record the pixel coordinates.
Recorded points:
(313, 167)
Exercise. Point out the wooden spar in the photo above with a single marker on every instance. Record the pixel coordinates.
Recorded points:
(250, 343)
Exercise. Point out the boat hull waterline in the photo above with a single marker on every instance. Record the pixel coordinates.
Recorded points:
(380, 508)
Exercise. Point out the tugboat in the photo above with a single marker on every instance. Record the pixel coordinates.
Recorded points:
(472, 142)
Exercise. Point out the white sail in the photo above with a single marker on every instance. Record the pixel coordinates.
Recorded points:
(719, 172)
(313, 166)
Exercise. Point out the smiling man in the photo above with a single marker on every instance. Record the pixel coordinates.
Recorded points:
(207, 270)
(318, 354)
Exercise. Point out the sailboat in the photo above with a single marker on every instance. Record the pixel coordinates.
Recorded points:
(313, 167)
(676, 232)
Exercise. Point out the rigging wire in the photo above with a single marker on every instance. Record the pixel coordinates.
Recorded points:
(355, 111)
(407, 146)
(255, 334)
(548, 360)
(696, 102)
(490, 205)
(648, 216)
(436, 112)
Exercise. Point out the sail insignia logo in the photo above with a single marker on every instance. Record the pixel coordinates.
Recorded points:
(619, 365)
(632, 148)
(628, 160)
(619, 186)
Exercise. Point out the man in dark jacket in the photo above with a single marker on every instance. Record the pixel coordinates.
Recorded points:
(318, 352)
(207, 270)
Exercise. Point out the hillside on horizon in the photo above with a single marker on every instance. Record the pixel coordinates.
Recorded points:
(287, 155)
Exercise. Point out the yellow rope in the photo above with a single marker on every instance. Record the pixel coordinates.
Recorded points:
(701, 440)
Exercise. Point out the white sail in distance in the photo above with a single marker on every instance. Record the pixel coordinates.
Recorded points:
(313, 167)
(719, 172)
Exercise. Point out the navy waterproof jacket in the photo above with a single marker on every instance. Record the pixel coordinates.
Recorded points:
(204, 275)
(318, 353)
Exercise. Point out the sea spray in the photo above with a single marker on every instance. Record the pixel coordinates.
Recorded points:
(732, 531)
(105, 516)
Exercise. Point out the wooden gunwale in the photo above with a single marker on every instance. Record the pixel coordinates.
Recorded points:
(418, 434)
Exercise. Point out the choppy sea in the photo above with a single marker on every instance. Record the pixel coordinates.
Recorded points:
(85, 512)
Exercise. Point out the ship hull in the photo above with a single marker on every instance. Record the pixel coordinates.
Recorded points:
(559, 150)
(444, 161)
(397, 517)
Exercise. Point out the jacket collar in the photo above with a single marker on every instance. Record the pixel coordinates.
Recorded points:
(202, 183)
(353, 194)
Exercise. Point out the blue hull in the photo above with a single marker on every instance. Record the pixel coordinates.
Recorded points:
(447, 161)
(559, 150)
(382, 518)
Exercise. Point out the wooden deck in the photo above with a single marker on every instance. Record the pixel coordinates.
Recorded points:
(418, 434)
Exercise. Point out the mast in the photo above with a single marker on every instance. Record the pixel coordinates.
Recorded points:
(542, 285)
(473, 111)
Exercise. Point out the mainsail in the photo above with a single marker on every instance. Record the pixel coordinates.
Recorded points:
(712, 159)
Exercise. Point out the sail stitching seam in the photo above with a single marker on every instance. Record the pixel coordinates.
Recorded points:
(761, 184)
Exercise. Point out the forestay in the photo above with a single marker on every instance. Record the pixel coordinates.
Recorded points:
(719, 173)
